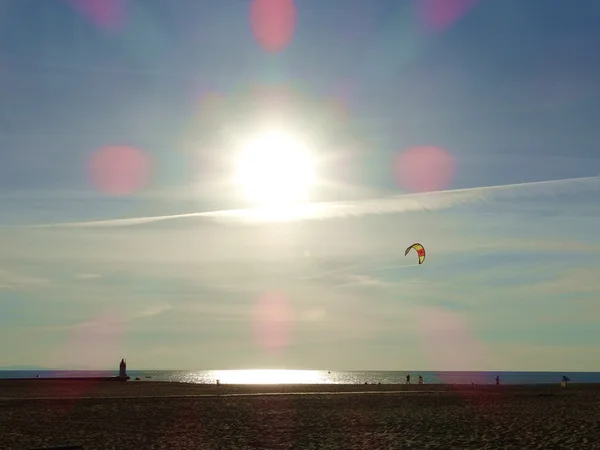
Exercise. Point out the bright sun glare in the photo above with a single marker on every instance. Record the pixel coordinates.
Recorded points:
(274, 169)
(270, 376)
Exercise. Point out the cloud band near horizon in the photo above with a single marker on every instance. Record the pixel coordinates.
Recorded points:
(436, 200)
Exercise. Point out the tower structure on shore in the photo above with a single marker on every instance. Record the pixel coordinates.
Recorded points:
(123, 368)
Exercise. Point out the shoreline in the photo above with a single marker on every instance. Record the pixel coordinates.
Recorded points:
(88, 388)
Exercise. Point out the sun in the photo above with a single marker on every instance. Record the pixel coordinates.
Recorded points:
(275, 169)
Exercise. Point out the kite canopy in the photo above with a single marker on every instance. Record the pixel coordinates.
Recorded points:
(420, 251)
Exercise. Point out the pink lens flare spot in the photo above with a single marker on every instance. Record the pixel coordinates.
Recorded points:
(273, 23)
(441, 14)
(119, 170)
(273, 317)
(448, 342)
(108, 14)
(423, 169)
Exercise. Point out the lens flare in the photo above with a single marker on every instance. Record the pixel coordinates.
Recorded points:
(272, 321)
(423, 169)
(119, 170)
(108, 14)
(441, 14)
(273, 23)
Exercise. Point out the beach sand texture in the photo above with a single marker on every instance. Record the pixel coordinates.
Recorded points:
(134, 416)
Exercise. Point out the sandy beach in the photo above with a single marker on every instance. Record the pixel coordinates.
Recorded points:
(136, 415)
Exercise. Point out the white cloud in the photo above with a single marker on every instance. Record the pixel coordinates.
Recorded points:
(215, 260)
(539, 286)
(11, 280)
(387, 205)
(155, 310)
(364, 281)
(571, 284)
(88, 276)
(574, 281)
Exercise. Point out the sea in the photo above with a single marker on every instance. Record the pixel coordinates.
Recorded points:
(285, 376)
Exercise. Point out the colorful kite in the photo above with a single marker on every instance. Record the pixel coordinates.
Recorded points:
(420, 251)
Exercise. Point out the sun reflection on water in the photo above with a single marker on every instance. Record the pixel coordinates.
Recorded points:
(270, 376)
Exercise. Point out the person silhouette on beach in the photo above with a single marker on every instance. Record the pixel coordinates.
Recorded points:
(420, 379)
(408, 378)
(497, 380)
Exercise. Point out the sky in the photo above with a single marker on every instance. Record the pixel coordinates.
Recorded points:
(114, 113)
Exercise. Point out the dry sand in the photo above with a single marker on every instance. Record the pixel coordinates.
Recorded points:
(147, 415)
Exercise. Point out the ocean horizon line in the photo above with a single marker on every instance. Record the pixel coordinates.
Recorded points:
(280, 369)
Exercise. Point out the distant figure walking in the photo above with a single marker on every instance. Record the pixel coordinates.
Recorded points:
(420, 379)
(408, 378)
(497, 380)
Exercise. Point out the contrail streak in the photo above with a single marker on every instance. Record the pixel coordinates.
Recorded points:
(386, 205)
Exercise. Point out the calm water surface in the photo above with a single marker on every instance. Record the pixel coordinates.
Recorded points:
(318, 376)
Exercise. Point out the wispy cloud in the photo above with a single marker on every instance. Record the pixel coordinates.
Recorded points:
(573, 281)
(11, 280)
(347, 282)
(364, 281)
(155, 310)
(388, 205)
(88, 276)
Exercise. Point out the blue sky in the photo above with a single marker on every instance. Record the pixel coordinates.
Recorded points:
(510, 90)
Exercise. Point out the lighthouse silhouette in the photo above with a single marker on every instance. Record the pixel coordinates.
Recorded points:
(123, 369)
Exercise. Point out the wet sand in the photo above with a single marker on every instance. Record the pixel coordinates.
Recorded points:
(136, 415)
